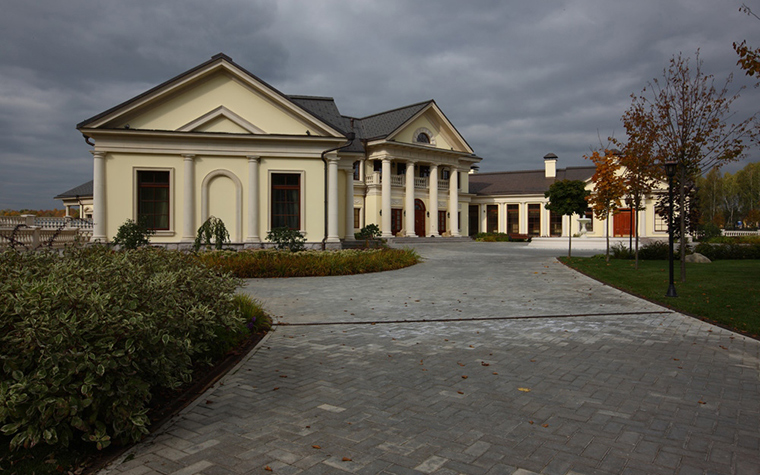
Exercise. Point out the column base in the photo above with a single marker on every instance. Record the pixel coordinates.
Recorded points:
(332, 239)
(412, 235)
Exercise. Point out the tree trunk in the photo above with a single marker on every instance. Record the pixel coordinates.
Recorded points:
(636, 230)
(570, 240)
(682, 204)
(607, 233)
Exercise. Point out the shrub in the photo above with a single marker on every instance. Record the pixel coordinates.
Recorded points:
(370, 231)
(655, 250)
(271, 263)
(213, 231)
(86, 337)
(729, 251)
(492, 237)
(709, 231)
(286, 238)
(132, 235)
(621, 251)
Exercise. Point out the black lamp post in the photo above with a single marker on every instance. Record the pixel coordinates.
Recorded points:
(670, 170)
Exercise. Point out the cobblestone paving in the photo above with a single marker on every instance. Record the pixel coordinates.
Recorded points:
(625, 393)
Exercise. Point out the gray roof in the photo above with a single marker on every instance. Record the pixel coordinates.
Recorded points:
(385, 123)
(531, 182)
(82, 191)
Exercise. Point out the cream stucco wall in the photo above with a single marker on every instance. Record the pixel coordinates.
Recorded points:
(206, 95)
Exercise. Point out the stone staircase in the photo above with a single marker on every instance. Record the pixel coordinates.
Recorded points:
(403, 241)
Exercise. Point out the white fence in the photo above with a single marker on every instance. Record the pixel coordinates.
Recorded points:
(30, 232)
(739, 233)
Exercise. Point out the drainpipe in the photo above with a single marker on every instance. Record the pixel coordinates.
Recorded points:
(350, 137)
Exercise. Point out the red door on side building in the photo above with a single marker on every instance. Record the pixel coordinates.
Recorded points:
(622, 223)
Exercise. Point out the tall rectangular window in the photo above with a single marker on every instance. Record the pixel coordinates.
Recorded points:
(441, 222)
(357, 218)
(492, 218)
(590, 215)
(513, 219)
(661, 219)
(397, 220)
(153, 199)
(534, 220)
(286, 200)
(555, 224)
(357, 164)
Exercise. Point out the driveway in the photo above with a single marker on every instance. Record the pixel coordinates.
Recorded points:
(486, 358)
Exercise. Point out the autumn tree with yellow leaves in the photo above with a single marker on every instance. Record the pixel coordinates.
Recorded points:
(608, 189)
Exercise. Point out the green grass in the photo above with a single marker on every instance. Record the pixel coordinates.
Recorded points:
(724, 292)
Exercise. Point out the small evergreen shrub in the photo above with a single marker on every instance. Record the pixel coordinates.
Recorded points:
(212, 232)
(370, 231)
(132, 235)
(286, 238)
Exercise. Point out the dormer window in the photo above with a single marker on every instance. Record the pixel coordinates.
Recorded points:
(423, 136)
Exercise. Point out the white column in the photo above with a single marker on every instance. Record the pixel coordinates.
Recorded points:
(332, 198)
(188, 208)
(385, 190)
(409, 200)
(454, 201)
(253, 199)
(99, 197)
(433, 184)
(350, 205)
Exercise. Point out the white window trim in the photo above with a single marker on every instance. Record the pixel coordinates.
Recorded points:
(426, 131)
(162, 232)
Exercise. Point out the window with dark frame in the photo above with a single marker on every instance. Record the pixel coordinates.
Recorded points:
(356, 170)
(590, 215)
(422, 137)
(534, 220)
(286, 200)
(397, 219)
(661, 219)
(441, 222)
(492, 218)
(357, 218)
(513, 219)
(153, 199)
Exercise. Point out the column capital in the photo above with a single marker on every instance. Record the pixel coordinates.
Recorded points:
(333, 158)
(253, 158)
(98, 154)
(189, 157)
(386, 159)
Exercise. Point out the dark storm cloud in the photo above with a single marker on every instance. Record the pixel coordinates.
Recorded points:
(518, 79)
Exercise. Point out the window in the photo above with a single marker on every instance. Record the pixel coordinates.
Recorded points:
(445, 174)
(422, 137)
(357, 218)
(534, 220)
(492, 218)
(513, 219)
(153, 203)
(441, 222)
(661, 219)
(286, 200)
(424, 170)
(377, 166)
(357, 164)
(400, 168)
(555, 224)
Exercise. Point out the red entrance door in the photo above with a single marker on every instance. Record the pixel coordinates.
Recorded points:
(419, 218)
(622, 223)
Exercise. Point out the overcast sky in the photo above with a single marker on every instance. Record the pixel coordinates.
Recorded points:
(518, 79)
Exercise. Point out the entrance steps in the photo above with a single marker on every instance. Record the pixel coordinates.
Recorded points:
(361, 244)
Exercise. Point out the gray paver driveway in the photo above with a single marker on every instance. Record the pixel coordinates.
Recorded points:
(519, 384)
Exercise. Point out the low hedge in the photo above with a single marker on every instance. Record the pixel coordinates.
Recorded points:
(492, 237)
(87, 336)
(273, 263)
(729, 251)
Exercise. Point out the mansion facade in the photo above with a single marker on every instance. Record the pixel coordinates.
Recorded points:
(218, 141)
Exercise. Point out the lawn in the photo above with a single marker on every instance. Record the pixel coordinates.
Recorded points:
(723, 292)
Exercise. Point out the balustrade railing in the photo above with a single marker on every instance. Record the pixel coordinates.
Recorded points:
(31, 232)
(739, 233)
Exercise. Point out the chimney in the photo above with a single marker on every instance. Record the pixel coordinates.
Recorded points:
(550, 165)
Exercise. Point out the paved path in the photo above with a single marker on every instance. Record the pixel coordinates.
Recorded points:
(524, 388)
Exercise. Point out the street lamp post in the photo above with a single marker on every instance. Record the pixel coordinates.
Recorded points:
(670, 171)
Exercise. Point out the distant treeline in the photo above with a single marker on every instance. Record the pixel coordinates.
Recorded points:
(47, 213)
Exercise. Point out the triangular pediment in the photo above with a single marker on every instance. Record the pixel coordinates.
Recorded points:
(217, 96)
(223, 120)
(436, 129)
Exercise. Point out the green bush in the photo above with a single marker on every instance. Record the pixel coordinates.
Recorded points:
(492, 237)
(272, 263)
(131, 235)
(654, 251)
(621, 251)
(733, 240)
(86, 337)
(729, 251)
(211, 232)
(709, 231)
(286, 238)
(370, 231)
